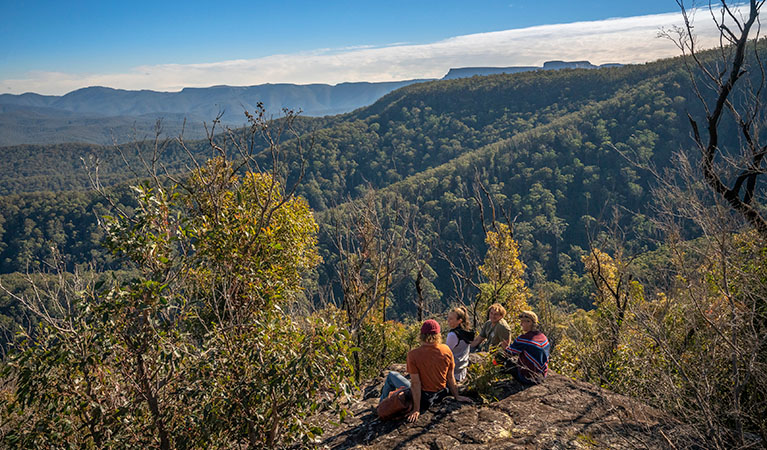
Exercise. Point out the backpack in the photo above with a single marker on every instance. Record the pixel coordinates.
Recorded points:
(398, 403)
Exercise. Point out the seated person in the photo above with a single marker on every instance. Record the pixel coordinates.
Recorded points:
(495, 331)
(459, 340)
(532, 351)
(431, 372)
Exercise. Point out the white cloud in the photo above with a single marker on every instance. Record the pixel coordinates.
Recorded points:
(621, 40)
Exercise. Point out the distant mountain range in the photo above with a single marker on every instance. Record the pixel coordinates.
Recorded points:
(466, 72)
(98, 114)
(313, 99)
(101, 115)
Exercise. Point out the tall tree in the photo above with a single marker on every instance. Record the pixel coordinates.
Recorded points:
(370, 237)
(736, 77)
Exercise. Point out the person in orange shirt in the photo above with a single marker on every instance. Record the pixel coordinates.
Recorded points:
(431, 369)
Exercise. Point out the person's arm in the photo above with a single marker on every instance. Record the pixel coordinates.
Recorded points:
(454, 388)
(481, 336)
(415, 389)
(514, 348)
(452, 340)
(506, 339)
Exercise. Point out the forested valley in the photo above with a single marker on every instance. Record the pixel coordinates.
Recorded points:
(173, 294)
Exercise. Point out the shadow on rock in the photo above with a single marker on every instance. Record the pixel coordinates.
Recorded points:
(560, 413)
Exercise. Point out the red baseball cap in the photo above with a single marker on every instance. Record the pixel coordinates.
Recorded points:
(430, 326)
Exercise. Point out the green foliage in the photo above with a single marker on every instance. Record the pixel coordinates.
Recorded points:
(485, 378)
(258, 385)
(695, 348)
(385, 343)
(31, 224)
(196, 351)
(378, 344)
(594, 344)
(248, 224)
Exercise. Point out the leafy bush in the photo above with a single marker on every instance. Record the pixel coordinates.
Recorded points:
(385, 343)
(484, 377)
(195, 351)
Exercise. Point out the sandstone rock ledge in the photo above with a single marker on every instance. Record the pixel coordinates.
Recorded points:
(558, 414)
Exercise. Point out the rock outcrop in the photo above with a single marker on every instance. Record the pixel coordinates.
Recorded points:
(560, 413)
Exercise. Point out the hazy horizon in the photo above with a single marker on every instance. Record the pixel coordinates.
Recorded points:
(373, 56)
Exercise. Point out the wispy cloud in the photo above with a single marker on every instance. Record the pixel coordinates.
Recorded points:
(621, 40)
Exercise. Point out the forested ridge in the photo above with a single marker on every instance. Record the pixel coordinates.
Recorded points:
(542, 141)
(568, 191)
(411, 131)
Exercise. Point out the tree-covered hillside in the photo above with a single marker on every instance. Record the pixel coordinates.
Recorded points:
(544, 144)
(550, 146)
(412, 128)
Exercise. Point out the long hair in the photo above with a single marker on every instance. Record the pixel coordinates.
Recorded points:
(461, 313)
(435, 338)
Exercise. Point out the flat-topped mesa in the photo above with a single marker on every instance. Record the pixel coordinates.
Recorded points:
(558, 65)
(467, 72)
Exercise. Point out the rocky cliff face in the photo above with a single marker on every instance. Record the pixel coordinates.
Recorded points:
(560, 413)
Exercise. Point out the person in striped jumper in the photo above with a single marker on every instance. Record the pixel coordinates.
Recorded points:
(532, 351)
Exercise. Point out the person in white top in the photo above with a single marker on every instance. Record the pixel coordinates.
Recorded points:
(459, 340)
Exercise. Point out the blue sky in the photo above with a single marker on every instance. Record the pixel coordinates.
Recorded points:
(51, 46)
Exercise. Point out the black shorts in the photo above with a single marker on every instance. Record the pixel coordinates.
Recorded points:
(429, 398)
